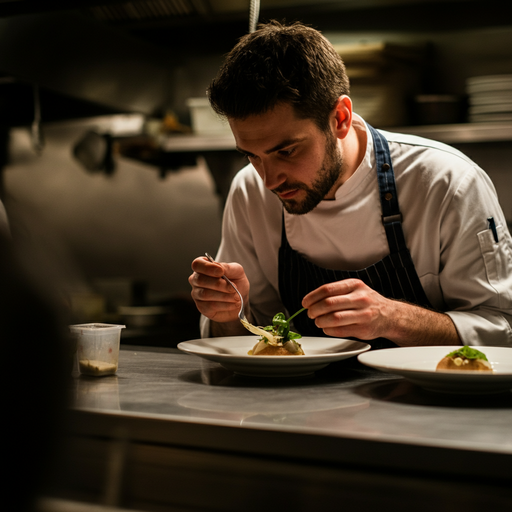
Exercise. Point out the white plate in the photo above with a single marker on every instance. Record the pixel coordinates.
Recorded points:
(231, 353)
(491, 98)
(490, 109)
(418, 364)
(499, 117)
(488, 83)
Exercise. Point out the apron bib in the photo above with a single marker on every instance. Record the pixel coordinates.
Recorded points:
(394, 276)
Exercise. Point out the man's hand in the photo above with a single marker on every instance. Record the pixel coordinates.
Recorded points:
(215, 298)
(350, 308)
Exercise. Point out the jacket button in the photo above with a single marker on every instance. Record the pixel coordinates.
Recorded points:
(388, 196)
(385, 167)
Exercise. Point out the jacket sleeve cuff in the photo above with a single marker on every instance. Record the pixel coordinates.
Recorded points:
(483, 328)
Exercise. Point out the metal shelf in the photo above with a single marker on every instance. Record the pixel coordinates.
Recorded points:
(461, 133)
(214, 142)
(449, 133)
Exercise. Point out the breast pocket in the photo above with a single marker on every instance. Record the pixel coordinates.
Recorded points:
(497, 258)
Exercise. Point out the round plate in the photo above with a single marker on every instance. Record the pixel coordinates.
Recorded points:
(418, 365)
(231, 353)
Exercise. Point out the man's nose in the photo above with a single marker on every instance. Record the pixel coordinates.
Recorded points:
(272, 175)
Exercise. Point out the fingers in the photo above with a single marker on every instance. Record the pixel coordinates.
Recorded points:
(339, 295)
(207, 283)
(214, 297)
(349, 323)
(233, 271)
(346, 308)
(204, 266)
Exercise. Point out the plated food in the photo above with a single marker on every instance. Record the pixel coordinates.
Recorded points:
(418, 365)
(464, 359)
(277, 339)
(231, 353)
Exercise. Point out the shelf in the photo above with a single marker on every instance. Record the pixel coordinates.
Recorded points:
(216, 142)
(449, 133)
(461, 133)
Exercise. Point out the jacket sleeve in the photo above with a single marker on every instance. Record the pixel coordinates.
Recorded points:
(476, 276)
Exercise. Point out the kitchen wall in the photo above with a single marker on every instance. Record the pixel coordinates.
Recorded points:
(83, 227)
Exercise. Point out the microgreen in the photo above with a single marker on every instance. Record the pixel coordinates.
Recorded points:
(468, 353)
(281, 327)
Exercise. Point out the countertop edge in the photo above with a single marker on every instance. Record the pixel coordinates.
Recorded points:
(311, 448)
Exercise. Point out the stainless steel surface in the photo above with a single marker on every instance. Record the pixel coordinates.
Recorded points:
(349, 434)
(345, 400)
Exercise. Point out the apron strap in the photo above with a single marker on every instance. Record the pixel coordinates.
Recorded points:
(391, 215)
(394, 276)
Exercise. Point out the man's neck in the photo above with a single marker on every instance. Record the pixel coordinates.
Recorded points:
(353, 150)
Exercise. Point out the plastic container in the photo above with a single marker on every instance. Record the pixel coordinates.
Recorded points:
(97, 348)
(204, 119)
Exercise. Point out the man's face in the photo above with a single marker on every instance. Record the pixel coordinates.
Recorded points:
(296, 160)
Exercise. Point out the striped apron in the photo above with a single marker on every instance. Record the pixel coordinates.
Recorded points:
(394, 276)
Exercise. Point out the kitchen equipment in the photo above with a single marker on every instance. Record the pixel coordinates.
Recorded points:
(204, 119)
(97, 348)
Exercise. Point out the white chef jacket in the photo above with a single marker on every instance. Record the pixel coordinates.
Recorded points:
(445, 200)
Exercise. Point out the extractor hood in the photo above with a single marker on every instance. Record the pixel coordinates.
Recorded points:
(71, 54)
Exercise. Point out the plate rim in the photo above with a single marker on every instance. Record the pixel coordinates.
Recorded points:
(363, 358)
(445, 381)
(364, 347)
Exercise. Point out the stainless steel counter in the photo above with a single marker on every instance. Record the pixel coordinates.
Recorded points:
(348, 432)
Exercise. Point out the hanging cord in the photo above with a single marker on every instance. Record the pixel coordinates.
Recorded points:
(254, 14)
(36, 132)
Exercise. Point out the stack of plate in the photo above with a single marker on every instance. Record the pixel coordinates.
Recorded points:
(490, 98)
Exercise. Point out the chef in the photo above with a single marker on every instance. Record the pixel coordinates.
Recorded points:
(389, 238)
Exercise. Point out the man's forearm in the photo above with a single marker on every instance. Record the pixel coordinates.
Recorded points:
(416, 326)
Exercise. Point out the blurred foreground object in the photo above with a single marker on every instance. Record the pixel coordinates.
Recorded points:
(34, 376)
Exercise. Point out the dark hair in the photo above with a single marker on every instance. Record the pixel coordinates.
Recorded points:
(279, 63)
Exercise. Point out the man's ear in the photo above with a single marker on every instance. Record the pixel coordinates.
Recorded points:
(342, 118)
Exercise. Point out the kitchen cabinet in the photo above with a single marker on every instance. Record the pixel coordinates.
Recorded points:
(175, 432)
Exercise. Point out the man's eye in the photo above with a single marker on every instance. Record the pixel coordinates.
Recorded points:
(287, 152)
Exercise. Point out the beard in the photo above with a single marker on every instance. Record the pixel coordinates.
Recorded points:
(328, 175)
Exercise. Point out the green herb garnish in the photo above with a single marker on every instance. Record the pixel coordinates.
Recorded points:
(468, 353)
(281, 327)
